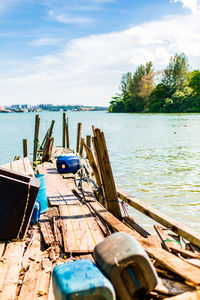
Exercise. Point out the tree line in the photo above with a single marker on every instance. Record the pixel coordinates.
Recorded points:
(175, 89)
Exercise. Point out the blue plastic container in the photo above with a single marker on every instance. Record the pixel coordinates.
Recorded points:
(81, 280)
(36, 213)
(42, 194)
(68, 164)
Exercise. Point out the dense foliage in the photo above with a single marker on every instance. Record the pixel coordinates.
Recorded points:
(178, 89)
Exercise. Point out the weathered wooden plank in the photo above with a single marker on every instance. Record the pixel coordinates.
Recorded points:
(28, 288)
(9, 269)
(51, 293)
(2, 247)
(43, 282)
(109, 189)
(22, 166)
(46, 230)
(161, 218)
(187, 296)
(171, 287)
(170, 261)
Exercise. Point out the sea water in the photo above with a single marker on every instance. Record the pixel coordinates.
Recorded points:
(155, 157)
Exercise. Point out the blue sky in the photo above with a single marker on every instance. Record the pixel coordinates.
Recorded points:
(75, 51)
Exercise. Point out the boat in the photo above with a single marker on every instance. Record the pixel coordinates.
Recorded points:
(86, 213)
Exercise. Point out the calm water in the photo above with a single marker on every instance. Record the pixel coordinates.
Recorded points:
(154, 157)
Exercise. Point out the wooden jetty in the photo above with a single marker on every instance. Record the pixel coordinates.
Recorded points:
(84, 208)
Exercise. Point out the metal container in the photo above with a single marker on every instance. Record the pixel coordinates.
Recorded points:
(18, 195)
(68, 164)
(81, 280)
(123, 260)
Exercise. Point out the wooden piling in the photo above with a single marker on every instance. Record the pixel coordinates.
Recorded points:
(81, 147)
(64, 129)
(25, 148)
(92, 163)
(48, 133)
(79, 131)
(36, 137)
(67, 134)
(88, 141)
(109, 188)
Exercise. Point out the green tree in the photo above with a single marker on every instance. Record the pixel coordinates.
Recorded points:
(195, 81)
(175, 75)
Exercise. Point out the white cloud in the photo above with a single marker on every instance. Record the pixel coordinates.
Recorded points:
(193, 5)
(88, 70)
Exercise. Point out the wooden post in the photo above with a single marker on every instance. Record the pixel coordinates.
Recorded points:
(64, 129)
(48, 133)
(78, 144)
(36, 138)
(102, 157)
(67, 135)
(88, 141)
(81, 147)
(25, 148)
(92, 163)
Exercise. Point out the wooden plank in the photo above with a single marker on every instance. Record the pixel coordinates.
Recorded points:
(22, 166)
(82, 232)
(171, 287)
(9, 269)
(2, 247)
(109, 189)
(168, 260)
(43, 283)
(187, 296)
(161, 218)
(165, 238)
(57, 190)
(46, 230)
(29, 284)
(28, 170)
(51, 293)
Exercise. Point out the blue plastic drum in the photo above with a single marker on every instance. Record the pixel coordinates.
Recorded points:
(42, 194)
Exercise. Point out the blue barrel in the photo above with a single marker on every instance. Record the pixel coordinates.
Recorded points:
(81, 279)
(36, 213)
(42, 194)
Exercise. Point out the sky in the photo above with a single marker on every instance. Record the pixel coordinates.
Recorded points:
(76, 51)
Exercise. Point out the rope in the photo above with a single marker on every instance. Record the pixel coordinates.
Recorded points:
(169, 240)
(123, 204)
(25, 209)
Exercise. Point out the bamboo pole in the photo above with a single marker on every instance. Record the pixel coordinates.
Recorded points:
(36, 137)
(64, 129)
(102, 157)
(79, 131)
(25, 148)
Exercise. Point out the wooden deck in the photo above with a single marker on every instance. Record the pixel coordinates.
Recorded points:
(69, 230)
